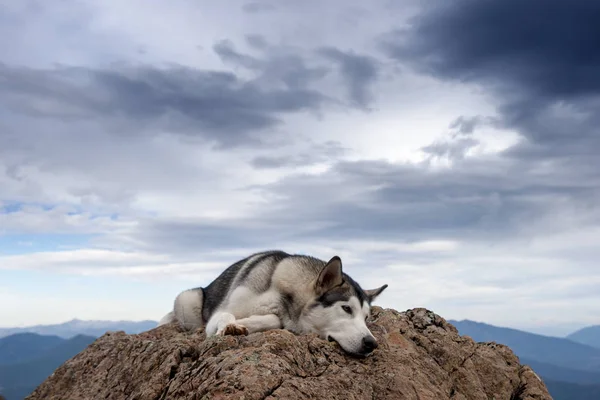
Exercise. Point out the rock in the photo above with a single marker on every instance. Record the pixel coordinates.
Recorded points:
(420, 356)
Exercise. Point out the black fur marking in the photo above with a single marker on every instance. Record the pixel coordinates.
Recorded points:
(287, 300)
(277, 254)
(331, 297)
(360, 293)
(213, 292)
(343, 293)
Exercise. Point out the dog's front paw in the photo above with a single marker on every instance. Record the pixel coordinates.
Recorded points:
(234, 330)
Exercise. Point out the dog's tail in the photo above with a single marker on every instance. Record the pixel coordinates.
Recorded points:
(187, 310)
(167, 319)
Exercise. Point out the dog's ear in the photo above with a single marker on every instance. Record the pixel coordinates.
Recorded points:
(373, 293)
(330, 276)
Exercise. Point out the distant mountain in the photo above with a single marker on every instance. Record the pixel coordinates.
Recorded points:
(25, 346)
(589, 336)
(559, 352)
(556, 373)
(571, 391)
(75, 327)
(19, 379)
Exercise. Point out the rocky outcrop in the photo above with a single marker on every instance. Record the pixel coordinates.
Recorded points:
(420, 356)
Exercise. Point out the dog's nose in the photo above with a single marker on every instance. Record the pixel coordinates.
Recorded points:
(369, 344)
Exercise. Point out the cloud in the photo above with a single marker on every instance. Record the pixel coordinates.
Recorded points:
(549, 54)
(467, 125)
(218, 106)
(289, 65)
(537, 67)
(480, 200)
(454, 150)
(325, 153)
(215, 105)
(477, 199)
(540, 65)
(278, 65)
(359, 72)
(36, 219)
(99, 262)
(258, 7)
(255, 41)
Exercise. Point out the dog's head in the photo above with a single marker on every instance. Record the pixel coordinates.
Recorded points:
(340, 309)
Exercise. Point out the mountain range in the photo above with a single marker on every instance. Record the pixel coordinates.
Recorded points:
(589, 336)
(27, 359)
(570, 366)
(28, 355)
(75, 327)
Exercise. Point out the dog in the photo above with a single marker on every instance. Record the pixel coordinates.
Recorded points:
(277, 290)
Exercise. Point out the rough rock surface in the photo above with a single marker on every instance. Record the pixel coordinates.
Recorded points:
(420, 356)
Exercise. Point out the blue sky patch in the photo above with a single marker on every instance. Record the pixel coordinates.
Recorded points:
(32, 243)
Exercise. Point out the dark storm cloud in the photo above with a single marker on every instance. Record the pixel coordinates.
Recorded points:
(549, 48)
(217, 105)
(540, 60)
(359, 72)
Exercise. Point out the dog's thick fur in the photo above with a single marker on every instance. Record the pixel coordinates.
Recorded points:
(274, 290)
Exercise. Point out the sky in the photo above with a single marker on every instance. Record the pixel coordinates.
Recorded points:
(448, 149)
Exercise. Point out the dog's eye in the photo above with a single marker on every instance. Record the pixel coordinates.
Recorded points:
(347, 309)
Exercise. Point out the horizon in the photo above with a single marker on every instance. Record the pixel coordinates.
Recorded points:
(145, 147)
(62, 322)
(549, 331)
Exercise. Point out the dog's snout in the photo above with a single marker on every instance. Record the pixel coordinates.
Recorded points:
(369, 344)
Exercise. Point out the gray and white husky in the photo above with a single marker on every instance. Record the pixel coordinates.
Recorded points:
(275, 290)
